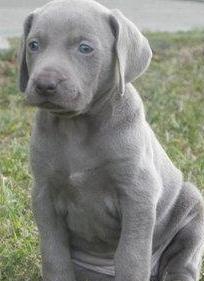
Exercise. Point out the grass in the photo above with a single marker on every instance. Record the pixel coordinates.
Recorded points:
(173, 92)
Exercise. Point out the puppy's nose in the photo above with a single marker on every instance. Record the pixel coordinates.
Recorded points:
(44, 86)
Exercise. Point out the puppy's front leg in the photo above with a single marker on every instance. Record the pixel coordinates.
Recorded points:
(138, 210)
(56, 260)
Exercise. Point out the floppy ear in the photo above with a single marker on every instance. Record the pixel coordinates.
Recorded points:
(23, 70)
(132, 49)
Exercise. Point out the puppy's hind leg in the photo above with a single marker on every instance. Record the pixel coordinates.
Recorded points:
(181, 261)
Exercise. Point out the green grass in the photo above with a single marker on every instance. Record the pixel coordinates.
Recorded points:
(173, 93)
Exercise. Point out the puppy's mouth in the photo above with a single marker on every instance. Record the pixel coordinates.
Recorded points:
(50, 105)
(67, 114)
(56, 109)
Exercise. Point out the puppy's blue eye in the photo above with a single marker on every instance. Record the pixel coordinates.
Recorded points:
(34, 46)
(85, 49)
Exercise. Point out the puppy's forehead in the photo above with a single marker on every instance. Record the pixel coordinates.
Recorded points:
(71, 15)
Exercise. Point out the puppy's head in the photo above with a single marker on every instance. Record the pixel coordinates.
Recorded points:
(75, 51)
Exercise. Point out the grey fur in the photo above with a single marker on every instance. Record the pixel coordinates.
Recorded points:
(103, 186)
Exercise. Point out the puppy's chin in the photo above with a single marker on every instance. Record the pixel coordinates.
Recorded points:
(53, 108)
(67, 114)
(59, 103)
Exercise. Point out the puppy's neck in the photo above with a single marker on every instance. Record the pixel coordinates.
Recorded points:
(108, 110)
(112, 108)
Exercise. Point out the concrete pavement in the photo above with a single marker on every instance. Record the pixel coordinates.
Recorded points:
(154, 15)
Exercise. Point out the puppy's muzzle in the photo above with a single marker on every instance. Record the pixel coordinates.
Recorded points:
(45, 86)
(46, 82)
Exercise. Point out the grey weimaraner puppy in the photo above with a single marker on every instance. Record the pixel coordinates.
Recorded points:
(109, 203)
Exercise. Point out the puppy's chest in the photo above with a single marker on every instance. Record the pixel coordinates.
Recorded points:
(83, 193)
(83, 186)
(90, 207)
(76, 173)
